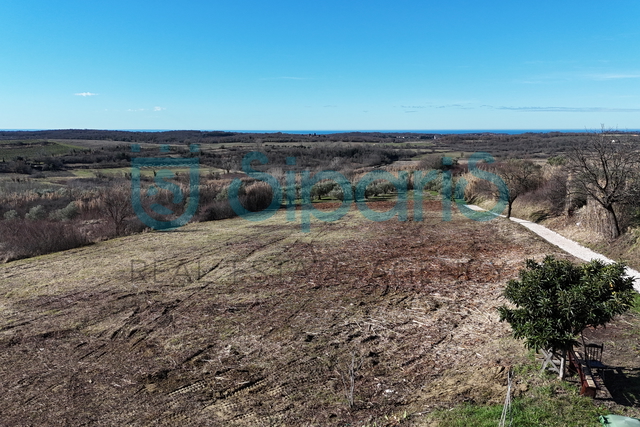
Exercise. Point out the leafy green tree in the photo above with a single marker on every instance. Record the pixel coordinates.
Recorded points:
(322, 188)
(556, 300)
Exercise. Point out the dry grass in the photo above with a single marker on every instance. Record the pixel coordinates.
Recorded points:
(255, 323)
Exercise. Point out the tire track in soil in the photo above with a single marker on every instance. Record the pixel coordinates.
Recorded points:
(46, 304)
(246, 256)
(142, 328)
(199, 397)
(183, 304)
(170, 263)
(241, 405)
(225, 260)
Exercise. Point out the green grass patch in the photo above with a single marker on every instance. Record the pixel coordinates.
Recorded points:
(84, 173)
(11, 150)
(556, 404)
(31, 185)
(548, 402)
(145, 172)
(636, 304)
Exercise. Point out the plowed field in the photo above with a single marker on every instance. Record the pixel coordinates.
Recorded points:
(236, 323)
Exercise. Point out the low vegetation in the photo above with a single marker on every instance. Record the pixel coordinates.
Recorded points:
(547, 402)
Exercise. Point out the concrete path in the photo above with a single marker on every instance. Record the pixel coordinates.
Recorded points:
(567, 245)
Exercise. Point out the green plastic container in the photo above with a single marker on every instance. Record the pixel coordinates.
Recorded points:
(619, 421)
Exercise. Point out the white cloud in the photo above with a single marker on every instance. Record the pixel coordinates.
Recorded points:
(565, 77)
(286, 78)
(570, 109)
(613, 76)
(85, 94)
(133, 110)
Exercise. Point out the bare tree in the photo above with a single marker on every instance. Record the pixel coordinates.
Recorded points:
(116, 202)
(520, 176)
(603, 168)
(228, 164)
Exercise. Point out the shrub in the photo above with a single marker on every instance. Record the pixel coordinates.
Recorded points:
(216, 210)
(36, 213)
(65, 214)
(257, 197)
(475, 191)
(12, 214)
(557, 161)
(551, 196)
(31, 238)
(436, 162)
(556, 300)
(209, 192)
(133, 226)
(254, 196)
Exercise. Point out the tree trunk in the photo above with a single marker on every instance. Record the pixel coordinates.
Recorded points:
(614, 220)
(563, 358)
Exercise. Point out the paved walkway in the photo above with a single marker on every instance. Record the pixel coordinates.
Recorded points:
(567, 245)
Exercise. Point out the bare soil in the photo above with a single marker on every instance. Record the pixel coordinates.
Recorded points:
(240, 323)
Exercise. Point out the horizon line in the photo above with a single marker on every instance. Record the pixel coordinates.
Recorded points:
(303, 131)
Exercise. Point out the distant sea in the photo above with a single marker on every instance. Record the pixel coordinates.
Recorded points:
(438, 131)
(328, 132)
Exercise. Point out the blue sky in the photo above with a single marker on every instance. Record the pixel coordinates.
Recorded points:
(324, 65)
